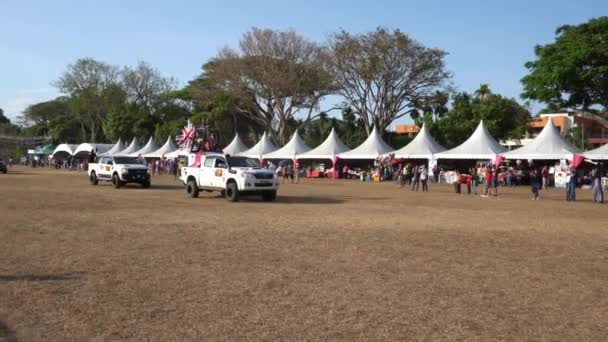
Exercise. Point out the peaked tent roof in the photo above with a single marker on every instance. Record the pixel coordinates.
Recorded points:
(133, 146)
(480, 145)
(600, 153)
(294, 147)
(84, 149)
(64, 150)
(330, 147)
(236, 146)
(167, 148)
(149, 147)
(371, 148)
(119, 146)
(548, 145)
(264, 146)
(424, 146)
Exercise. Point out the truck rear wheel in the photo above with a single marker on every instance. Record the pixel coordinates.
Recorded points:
(192, 189)
(269, 195)
(116, 182)
(232, 192)
(93, 178)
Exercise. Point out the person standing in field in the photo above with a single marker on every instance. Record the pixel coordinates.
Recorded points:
(424, 175)
(495, 180)
(473, 172)
(571, 185)
(596, 181)
(415, 178)
(487, 181)
(534, 185)
(545, 176)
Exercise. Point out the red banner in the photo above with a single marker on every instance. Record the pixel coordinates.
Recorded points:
(577, 160)
(499, 159)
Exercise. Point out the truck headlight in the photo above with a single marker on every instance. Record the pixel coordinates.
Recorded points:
(148, 170)
(124, 170)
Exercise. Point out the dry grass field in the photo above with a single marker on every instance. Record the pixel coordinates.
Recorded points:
(329, 260)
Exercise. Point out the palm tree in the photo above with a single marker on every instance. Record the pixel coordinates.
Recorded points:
(483, 92)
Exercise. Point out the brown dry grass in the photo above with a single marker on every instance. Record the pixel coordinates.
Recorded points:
(330, 260)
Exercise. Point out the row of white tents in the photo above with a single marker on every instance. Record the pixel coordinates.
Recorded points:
(134, 149)
(548, 145)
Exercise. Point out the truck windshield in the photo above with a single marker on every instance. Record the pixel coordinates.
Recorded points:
(242, 162)
(129, 160)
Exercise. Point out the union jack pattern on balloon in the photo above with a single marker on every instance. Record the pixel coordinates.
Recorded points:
(185, 136)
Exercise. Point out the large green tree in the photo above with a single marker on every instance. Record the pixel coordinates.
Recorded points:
(571, 72)
(504, 117)
(86, 82)
(277, 75)
(384, 74)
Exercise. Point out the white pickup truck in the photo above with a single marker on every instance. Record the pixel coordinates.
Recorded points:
(119, 170)
(232, 176)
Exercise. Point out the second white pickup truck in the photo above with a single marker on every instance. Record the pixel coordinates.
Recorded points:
(232, 176)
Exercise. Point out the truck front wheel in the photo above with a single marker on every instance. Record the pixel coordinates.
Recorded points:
(116, 182)
(192, 189)
(93, 178)
(232, 192)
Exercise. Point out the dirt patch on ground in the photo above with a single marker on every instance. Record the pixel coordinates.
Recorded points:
(329, 260)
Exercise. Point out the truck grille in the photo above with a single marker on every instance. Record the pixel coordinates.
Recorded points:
(261, 185)
(263, 175)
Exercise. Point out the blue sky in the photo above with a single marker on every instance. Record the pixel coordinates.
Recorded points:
(487, 41)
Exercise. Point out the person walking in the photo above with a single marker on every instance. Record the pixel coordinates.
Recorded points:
(596, 189)
(416, 178)
(424, 175)
(534, 185)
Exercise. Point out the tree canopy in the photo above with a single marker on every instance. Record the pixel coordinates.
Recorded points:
(571, 72)
(504, 117)
(384, 75)
(276, 75)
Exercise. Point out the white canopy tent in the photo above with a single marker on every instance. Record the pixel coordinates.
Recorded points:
(371, 148)
(548, 145)
(177, 153)
(332, 146)
(83, 150)
(424, 146)
(149, 147)
(133, 147)
(294, 147)
(236, 146)
(264, 146)
(163, 151)
(600, 153)
(119, 146)
(64, 151)
(479, 146)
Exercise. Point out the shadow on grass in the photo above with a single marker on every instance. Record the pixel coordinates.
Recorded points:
(38, 277)
(6, 333)
(308, 200)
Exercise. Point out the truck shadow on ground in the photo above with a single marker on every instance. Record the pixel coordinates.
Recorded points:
(5, 278)
(7, 334)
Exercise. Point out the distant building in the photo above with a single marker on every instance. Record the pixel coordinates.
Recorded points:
(595, 129)
(407, 129)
